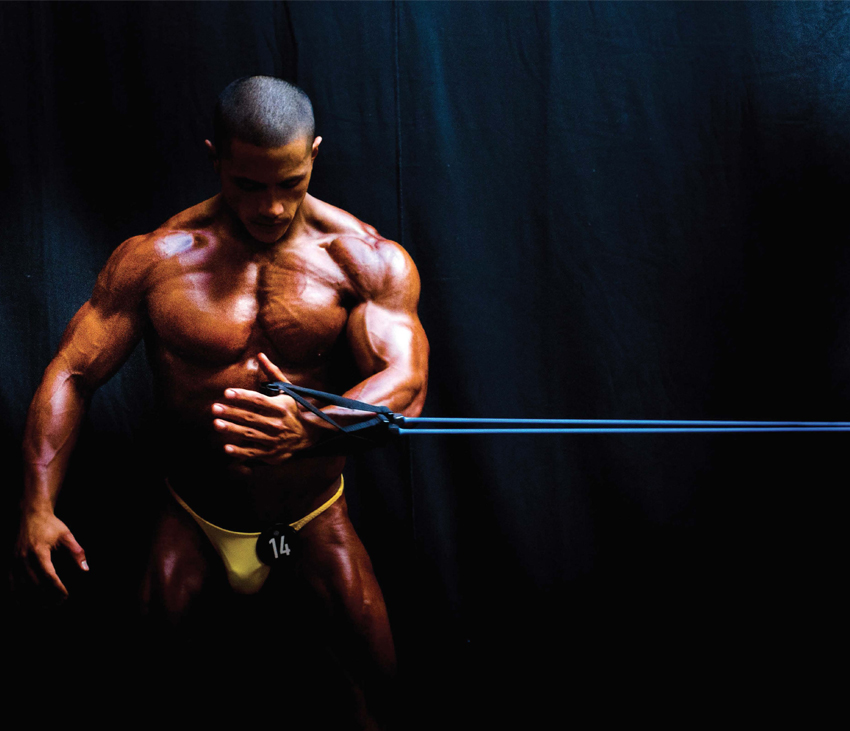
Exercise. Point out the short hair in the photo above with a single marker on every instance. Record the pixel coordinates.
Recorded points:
(262, 111)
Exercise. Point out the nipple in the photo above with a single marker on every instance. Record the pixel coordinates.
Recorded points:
(252, 370)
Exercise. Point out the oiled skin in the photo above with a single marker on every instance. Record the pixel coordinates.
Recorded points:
(299, 305)
(252, 285)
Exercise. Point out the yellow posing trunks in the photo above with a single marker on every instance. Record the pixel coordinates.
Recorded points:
(238, 551)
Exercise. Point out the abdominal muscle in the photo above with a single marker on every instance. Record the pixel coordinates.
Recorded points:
(230, 492)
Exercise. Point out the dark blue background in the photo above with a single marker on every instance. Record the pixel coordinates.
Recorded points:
(618, 210)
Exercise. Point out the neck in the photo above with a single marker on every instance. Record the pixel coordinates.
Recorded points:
(236, 229)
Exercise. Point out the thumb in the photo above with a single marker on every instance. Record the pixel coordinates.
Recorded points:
(68, 540)
(271, 369)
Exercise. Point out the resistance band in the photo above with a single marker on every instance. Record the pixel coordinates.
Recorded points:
(377, 429)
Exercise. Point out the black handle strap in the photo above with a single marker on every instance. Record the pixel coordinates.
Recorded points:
(370, 432)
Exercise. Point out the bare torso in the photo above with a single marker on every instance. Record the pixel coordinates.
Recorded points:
(214, 302)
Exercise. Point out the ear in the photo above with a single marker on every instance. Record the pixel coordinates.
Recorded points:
(213, 153)
(315, 149)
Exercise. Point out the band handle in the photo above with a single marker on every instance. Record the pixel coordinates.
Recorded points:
(369, 433)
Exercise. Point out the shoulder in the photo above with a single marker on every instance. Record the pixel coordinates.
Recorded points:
(131, 266)
(126, 270)
(375, 266)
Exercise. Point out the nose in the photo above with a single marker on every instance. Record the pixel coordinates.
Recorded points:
(271, 205)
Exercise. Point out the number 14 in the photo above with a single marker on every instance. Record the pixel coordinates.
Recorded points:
(284, 547)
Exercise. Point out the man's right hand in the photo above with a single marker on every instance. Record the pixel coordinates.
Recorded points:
(39, 536)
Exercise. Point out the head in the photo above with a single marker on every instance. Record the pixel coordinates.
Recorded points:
(264, 150)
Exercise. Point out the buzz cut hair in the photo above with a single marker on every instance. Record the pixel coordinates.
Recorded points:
(262, 111)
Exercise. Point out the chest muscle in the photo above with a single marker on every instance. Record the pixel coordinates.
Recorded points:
(219, 318)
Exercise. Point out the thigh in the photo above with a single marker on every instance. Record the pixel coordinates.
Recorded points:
(181, 566)
(338, 569)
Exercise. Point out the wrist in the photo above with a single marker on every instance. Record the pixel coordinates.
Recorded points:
(315, 430)
(316, 427)
(35, 506)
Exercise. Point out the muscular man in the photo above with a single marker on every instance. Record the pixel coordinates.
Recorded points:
(262, 282)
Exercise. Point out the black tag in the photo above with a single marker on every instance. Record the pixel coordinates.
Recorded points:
(275, 544)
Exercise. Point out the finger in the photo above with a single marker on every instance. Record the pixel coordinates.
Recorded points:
(271, 369)
(244, 432)
(35, 579)
(253, 401)
(46, 566)
(270, 424)
(255, 453)
(237, 415)
(55, 580)
(68, 540)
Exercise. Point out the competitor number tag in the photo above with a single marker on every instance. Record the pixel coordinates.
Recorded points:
(274, 546)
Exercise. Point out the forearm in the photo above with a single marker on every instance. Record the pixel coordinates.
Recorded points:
(53, 424)
(391, 351)
(400, 391)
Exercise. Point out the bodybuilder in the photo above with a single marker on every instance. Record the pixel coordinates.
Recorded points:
(263, 282)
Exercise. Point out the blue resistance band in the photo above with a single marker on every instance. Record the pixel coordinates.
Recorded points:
(377, 429)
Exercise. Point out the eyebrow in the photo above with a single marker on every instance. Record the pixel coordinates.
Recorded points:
(251, 181)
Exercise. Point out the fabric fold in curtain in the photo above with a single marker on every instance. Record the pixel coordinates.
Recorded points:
(618, 210)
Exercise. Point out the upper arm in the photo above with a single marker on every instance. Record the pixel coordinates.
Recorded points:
(106, 329)
(384, 330)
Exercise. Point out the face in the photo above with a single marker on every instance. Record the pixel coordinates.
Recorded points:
(264, 187)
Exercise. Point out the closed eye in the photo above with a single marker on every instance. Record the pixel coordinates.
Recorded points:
(291, 182)
(247, 184)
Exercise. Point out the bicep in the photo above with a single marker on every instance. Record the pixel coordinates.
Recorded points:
(382, 337)
(96, 343)
(384, 331)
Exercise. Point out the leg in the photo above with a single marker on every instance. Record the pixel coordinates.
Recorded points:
(338, 569)
(180, 563)
(178, 601)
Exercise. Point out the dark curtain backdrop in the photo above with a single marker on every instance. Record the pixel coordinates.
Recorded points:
(618, 210)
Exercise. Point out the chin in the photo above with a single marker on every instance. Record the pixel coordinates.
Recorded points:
(266, 235)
